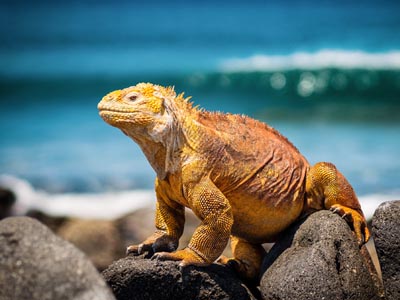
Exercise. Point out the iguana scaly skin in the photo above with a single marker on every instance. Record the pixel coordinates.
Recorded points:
(239, 176)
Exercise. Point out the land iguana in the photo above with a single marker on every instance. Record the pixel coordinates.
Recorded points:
(241, 178)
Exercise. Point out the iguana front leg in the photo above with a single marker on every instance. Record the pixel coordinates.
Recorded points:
(327, 188)
(170, 219)
(210, 238)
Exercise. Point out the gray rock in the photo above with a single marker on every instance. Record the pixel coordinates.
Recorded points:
(134, 278)
(317, 258)
(36, 264)
(386, 233)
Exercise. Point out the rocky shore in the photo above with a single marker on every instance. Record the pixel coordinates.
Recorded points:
(316, 258)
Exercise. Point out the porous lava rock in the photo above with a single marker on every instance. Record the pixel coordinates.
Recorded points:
(317, 258)
(386, 233)
(134, 278)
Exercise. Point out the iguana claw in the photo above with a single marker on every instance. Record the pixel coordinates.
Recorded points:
(139, 249)
(355, 220)
(186, 256)
(158, 242)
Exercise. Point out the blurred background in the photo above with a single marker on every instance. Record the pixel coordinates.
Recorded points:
(324, 73)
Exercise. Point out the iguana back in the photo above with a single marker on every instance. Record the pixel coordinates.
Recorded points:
(249, 156)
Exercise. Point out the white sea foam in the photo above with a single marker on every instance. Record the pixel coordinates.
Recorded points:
(327, 58)
(111, 205)
(369, 203)
(108, 205)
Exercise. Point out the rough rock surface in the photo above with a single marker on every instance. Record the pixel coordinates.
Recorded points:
(386, 233)
(317, 258)
(138, 278)
(36, 264)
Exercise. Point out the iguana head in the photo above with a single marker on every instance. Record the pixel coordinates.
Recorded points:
(152, 116)
(143, 109)
(137, 109)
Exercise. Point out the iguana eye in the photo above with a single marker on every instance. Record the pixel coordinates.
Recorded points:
(133, 97)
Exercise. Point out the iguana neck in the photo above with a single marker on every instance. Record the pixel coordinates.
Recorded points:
(156, 154)
(166, 155)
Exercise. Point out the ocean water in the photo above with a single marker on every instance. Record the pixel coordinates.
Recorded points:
(326, 74)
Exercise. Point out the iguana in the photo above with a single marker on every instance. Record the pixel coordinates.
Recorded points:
(241, 178)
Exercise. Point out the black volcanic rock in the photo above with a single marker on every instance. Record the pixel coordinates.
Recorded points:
(317, 258)
(137, 278)
(386, 233)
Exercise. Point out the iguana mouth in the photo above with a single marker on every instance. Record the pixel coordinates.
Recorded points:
(119, 117)
(105, 107)
(116, 112)
(116, 115)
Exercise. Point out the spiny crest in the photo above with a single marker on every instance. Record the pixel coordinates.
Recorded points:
(150, 90)
(184, 103)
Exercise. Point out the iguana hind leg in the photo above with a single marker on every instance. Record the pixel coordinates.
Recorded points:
(247, 259)
(327, 188)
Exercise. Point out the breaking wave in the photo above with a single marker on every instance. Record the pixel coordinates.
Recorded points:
(106, 205)
(322, 59)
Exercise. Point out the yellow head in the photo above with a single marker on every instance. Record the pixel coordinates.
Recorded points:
(141, 110)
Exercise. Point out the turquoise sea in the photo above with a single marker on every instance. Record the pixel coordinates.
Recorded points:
(324, 73)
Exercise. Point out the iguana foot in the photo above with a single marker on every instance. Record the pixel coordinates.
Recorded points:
(327, 188)
(187, 257)
(243, 268)
(355, 220)
(156, 243)
(246, 261)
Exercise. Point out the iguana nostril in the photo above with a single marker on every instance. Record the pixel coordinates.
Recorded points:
(113, 96)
